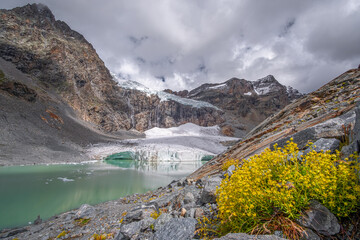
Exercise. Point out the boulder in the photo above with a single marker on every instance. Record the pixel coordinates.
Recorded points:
(127, 231)
(161, 220)
(177, 229)
(208, 194)
(85, 211)
(308, 234)
(332, 128)
(189, 198)
(244, 236)
(320, 219)
(354, 146)
(324, 144)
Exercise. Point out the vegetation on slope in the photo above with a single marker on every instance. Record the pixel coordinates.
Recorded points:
(269, 191)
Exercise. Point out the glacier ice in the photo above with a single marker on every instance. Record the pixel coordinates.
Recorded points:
(164, 96)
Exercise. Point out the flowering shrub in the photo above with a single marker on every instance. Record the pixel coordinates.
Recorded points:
(271, 189)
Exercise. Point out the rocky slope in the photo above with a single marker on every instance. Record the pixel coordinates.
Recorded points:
(61, 60)
(245, 103)
(324, 113)
(38, 127)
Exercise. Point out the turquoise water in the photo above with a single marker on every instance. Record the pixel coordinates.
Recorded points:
(29, 191)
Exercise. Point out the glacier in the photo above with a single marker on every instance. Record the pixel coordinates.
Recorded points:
(164, 96)
(173, 148)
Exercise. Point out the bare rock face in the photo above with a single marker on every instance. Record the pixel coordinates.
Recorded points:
(61, 60)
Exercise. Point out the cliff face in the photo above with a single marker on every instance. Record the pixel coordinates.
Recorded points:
(245, 103)
(62, 61)
(325, 113)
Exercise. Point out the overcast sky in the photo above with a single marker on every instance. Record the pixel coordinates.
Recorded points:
(182, 44)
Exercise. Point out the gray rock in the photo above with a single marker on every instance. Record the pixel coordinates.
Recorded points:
(120, 236)
(134, 216)
(177, 229)
(161, 220)
(208, 194)
(85, 211)
(320, 219)
(190, 213)
(147, 222)
(354, 146)
(325, 144)
(189, 198)
(38, 220)
(332, 128)
(129, 230)
(244, 236)
(230, 170)
(199, 213)
(308, 234)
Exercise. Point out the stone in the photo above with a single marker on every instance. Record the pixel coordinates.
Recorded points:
(182, 212)
(177, 229)
(134, 216)
(354, 146)
(190, 213)
(129, 230)
(320, 219)
(244, 236)
(38, 220)
(332, 128)
(308, 234)
(189, 198)
(230, 170)
(161, 220)
(85, 211)
(208, 194)
(325, 144)
(199, 213)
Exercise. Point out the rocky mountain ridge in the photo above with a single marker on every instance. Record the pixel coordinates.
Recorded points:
(61, 60)
(245, 103)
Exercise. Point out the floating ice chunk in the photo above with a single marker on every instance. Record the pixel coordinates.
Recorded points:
(64, 179)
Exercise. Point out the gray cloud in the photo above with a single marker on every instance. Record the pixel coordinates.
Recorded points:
(182, 44)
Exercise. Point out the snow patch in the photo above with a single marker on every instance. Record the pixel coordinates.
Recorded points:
(248, 94)
(218, 86)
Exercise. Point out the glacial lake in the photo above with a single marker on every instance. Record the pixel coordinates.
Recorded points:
(47, 190)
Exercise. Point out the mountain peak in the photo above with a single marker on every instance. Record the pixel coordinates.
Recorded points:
(35, 10)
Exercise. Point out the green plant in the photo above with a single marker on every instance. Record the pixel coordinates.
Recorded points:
(82, 221)
(277, 185)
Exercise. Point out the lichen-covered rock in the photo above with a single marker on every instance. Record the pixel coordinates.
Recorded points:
(320, 219)
(177, 229)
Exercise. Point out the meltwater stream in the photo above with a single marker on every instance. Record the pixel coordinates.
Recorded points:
(29, 191)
